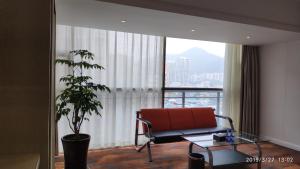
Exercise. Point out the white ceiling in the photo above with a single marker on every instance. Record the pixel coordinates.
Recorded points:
(278, 14)
(102, 15)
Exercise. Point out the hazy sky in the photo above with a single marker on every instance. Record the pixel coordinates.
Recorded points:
(176, 46)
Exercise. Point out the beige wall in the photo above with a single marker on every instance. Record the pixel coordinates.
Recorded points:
(280, 94)
(25, 53)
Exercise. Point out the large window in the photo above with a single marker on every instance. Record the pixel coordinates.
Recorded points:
(193, 73)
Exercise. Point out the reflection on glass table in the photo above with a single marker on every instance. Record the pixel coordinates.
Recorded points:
(224, 157)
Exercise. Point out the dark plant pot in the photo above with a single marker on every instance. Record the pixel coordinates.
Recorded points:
(196, 161)
(75, 150)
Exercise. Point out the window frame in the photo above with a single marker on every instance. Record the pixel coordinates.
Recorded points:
(183, 89)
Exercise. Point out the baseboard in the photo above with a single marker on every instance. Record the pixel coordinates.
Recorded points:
(282, 143)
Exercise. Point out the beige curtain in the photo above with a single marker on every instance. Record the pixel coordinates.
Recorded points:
(133, 64)
(249, 120)
(232, 83)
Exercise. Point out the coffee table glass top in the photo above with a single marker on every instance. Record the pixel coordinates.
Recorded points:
(207, 140)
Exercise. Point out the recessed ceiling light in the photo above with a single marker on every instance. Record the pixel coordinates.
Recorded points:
(248, 37)
(193, 30)
(124, 21)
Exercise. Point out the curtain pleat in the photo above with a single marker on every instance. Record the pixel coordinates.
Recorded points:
(133, 65)
(232, 83)
(249, 120)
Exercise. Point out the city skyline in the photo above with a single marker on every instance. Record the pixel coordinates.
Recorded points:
(194, 68)
(177, 46)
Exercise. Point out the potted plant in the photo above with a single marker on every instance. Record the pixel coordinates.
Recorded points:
(77, 102)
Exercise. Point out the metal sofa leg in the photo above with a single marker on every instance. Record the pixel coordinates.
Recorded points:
(139, 149)
(149, 151)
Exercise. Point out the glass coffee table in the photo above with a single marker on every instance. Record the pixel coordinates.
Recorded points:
(219, 157)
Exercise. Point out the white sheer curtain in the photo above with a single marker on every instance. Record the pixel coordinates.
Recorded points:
(232, 82)
(133, 70)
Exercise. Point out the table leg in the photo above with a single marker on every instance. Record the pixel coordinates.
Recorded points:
(191, 147)
(210, 158)
(234, 147)
(259, 154)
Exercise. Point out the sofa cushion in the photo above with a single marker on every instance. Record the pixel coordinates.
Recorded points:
(158, 117)
(181, 118)
(219, 129)
(203, 131)
(204, 117)
(160, 134)
(196, 131)
(167, 136)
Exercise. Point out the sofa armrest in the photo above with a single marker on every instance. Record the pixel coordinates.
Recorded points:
(226, 118)
(148, 124)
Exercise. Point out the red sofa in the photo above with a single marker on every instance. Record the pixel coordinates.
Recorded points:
(164, 125)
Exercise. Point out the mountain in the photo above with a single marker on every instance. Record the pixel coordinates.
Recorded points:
(200, 61)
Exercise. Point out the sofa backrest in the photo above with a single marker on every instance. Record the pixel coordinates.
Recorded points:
(179, 118)
(158, 117)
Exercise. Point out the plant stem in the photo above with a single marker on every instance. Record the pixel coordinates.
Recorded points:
(75, 123)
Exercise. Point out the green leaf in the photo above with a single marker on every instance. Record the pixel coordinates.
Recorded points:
(79, 96)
